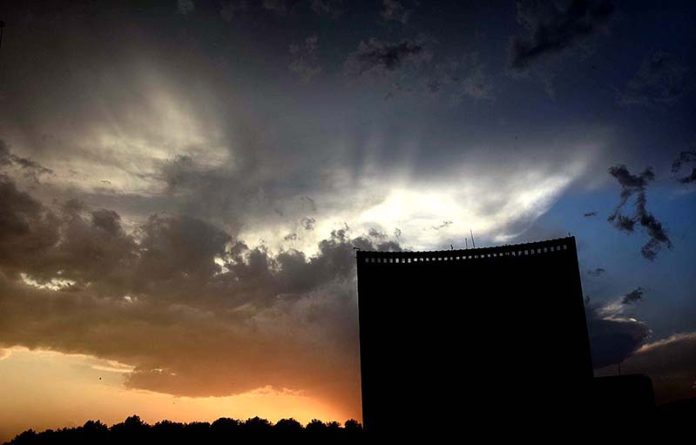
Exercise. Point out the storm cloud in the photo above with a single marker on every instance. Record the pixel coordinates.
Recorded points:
(73, 280)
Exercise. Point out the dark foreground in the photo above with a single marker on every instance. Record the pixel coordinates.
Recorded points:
(229, 431)
(223, 430)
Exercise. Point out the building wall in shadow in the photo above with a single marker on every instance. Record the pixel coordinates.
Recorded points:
(494, 330)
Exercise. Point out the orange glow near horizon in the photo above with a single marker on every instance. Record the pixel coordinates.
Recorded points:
(47, 389)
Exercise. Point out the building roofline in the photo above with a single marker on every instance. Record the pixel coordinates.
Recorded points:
(515, 250)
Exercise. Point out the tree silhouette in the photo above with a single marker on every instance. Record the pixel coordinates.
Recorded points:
(288, 426)
(223, 430)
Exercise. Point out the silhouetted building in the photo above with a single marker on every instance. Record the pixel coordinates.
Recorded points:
(472, 333)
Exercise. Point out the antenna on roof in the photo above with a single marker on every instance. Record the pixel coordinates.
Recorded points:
(466, 242)
(472, 238)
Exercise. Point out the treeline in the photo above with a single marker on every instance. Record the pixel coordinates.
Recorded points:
(223, 430)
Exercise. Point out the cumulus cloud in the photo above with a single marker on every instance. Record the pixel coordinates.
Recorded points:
(27, 228)
(685, 158)
(613, 337)
(305, 62)
(553, 27)
(636, 185)
(661, 79)
(221, 317)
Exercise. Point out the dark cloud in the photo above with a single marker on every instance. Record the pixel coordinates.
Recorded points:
(633, 296)
(689, 179)
(27, 228)
(661, 79)
(685, 157)
(612, 339)
(443, 225)
(596, 272)
(377, 56)
(395, 10)
(220, 317)
(636, 185)
(375, 233)
(107, 220)
(28, 167)
(552, 27)
(670, 363)
(304, 60)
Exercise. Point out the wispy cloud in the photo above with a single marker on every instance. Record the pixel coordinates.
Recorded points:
(635, 185)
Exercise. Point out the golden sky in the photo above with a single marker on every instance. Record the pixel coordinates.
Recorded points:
(46, 389)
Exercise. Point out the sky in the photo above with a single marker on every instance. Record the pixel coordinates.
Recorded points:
(183, 184)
